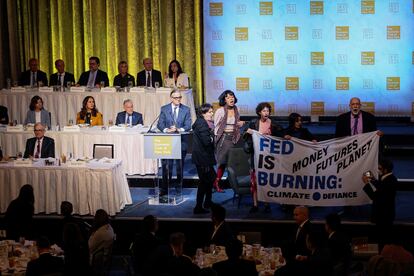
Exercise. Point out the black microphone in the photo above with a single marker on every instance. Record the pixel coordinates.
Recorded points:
(152, 124)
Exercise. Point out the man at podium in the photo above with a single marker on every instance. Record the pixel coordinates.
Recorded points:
(174, 118)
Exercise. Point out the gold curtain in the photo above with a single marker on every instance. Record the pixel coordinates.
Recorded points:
(113, 30)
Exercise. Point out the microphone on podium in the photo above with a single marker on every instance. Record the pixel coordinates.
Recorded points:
(152, 124)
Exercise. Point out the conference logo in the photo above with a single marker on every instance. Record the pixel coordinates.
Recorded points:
(316, 33)
(317, 84)
(241, 9)
(393, 83)
(342, 8)
(217, 59)
(292, 83)
(272, 104)
(291, 33)
(368, 7)
(241, 33)
(367, 58)
(242, 59)
(267, 84)
(342, 32)
(216, 9)
(317, 58)
(243, 108)
(242, 84)
(266, 58)
(367, 84)
(162, 145)
(218, 84)
(292, 108)
(316, 7)
(393, 32)
(342, 108)
(266, 8)
(368, 106)
(317, 108)
(342, 83)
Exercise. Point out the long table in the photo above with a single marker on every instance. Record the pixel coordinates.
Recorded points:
(128, 146)
(96, 186)
(65, 105)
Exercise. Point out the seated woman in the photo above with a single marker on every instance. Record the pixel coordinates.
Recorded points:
(89, 113)
(176, 77)
(296, 130)
(36, 113)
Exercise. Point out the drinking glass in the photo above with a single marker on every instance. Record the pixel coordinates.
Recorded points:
(70, 122)
(40, 83)
(110, 123)
(15, 83)
(69, 85)
(157, 85)
(102, 84)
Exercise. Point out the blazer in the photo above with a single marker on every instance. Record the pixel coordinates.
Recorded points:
(68, 77)
(136, 118)
(166, 120)
(46, 264)
(47, 150)
(95, 120)
(343, 124)
(239, 267)
(100, 76)
(123, 81)
(222, 236)
(383, 199)
(301, 133)
(155, 77)
(203, 144)
(44, 118)
(26, 75)
(4, 115)
(182, 81)
(339, 245)
(300, 241)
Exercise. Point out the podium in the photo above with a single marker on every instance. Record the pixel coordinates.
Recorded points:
(165, 147)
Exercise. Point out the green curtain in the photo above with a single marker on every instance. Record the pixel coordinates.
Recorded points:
(113, 30)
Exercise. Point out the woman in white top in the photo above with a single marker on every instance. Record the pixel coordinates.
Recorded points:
(36, 113)
(176, 77)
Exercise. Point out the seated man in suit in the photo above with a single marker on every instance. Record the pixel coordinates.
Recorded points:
(235, 265)
(221, 230)
(129, 116)
(4, 115)
(40, 146)
(33, 76)
(46, 264)
(174, 118)
(94, 76)
(123, 78)
(301, 217)
(148, 77)
(61, 78)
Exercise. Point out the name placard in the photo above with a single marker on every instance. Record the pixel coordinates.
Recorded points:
(108, 89)
(164, 90)
(117, 129)
(74, 128)
(137, 90)
(14, 128)
(18, 89)
(22, 162)
(45, 89)
(77, 89)
(76, 163)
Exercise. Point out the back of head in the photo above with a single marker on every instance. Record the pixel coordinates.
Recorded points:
(43, 243)
(293, 117)
(177, 239)
(218, 212)
(66, 208)
(101, 218)
(333, 221)
(149, 223)
(234, 249)
(380, 266)
(26, 194)
(386, 164)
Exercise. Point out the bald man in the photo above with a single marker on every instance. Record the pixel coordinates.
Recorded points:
(61, 78)
(40, 146)
(33, 76)
(148, 77)
(301, 217)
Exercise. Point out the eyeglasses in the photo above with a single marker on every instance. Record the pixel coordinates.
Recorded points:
(39, 130)
(177, 98)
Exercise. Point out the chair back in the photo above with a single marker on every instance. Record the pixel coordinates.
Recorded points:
(239, 161)
(103, 150)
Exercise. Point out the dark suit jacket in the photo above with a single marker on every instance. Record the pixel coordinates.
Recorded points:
(319, 263)
(203, 144)
(19, 219)
(136, 118)
(100, 76)
(123, 81)
(222, 236)
(25, 78)
(144, 245)
(166, 120)
(339, 246)
(237, 267)
(47, 150)
(383, 199)
(4, 115)
(45, 264)
(302, 133)
(300, 241)
(68, 77)
(343, 124)
(155, 77)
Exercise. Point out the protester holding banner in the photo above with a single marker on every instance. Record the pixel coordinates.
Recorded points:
(227, 126)
(264, 125)
(296, 130)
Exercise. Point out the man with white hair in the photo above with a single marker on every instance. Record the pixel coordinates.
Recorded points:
(301, 217)
(129, 116)
(40, 146)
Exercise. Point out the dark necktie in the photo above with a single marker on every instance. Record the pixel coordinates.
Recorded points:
(149, 80)
(128, 120)
(60, 79)
(355, 128)
(37, 154)
(33, 79)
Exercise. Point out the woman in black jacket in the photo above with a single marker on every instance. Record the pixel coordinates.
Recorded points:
(296, 130)
(203, 157)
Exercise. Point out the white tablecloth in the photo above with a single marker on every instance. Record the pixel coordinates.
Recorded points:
(97, 186)
(65, 105)
(128, 146)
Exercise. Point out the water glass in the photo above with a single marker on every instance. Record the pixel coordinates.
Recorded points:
(157, 85)
(15, 83)
(110, 123)
(40, 83)
(69, 84)
(8, 83)
(70, 122)
(102, 84)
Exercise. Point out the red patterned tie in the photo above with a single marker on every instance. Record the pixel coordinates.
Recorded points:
(37, 154)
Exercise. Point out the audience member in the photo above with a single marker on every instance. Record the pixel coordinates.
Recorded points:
(176, 77)
(40, 146)
(37, 113)
(221, 230)
(123, 79)
(296, 130)
(291, 267)
(76, 250)
(4, 115)
(89, 114)
(33, 76)
(94, 76)
(380, 266)
(395, 251)
(46, 264)
(148, 77)
(203, 157)
(66, 209)
(207, 271)
(61, 77)
(301, 217)
(129, 116)
(235, 265)
(19, 214)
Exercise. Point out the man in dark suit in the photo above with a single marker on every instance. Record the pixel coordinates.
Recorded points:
(33, 76)
(301, 217)
(355, 121)
(148, 77)
(4, 115)
(382, 193)
(94, 76)
(46, 264)
(129, 116)
(174, 118)
(123, 78)
(40, 146)
(61, 78)
(221, 233)
(234, 265)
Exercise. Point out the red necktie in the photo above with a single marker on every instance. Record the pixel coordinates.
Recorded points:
(37, 154)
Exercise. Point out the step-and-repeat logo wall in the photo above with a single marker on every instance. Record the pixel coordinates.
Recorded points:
(311, 57)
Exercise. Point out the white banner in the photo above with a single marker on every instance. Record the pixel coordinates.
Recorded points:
(327, 173)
